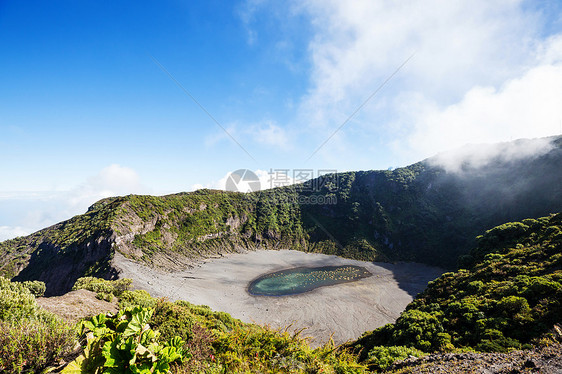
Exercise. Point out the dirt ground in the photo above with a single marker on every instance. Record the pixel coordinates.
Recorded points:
(75, 305)
(342, 311)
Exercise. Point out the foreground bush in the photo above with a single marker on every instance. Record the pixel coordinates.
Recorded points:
(260, 349)
(136, 298)
(16, 301)
(102, 286)
(125, 343)
(31, 338)
(222, 344)
(120, 288)
(37, 288)
(34, 345)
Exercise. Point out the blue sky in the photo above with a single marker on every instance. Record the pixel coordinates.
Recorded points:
(87, 112)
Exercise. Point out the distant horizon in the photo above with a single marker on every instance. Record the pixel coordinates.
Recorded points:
(112, 99)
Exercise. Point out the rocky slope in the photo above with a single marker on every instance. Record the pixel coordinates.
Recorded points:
(544, 359)
(426, 212)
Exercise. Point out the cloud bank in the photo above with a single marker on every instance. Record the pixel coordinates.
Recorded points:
(24, 213)
(482, 72)
(523, 107)
(476, 156)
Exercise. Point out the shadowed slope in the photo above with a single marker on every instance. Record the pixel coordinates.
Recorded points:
(418, 213)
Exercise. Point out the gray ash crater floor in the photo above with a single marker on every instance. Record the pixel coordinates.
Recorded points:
(343, 311)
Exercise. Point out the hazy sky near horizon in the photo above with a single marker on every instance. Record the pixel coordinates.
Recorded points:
(90, 103)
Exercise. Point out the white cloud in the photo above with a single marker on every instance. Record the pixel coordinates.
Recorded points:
(8, 232)
(114, 180)
(457, 44)
(482, 72)
(24, 213)
(270, 134)
(479, 155)
(524, 107)
(266, 133)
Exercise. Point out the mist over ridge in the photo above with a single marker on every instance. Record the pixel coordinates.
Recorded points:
(474, 156)
(421, 213)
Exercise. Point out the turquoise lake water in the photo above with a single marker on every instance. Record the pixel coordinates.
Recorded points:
(302, 279)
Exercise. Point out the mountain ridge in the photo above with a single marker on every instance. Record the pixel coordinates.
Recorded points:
(421, 212)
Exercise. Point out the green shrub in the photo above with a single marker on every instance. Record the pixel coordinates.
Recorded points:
(220, 343)
(31, 338)
(173, 320)
(251, 348)
(495, 341)
(104, 296)
(516, 308)
(200, 345)
(98, 285)
(125, 343)
(419, 329)
(37, 288)
(33, 345)
(16, 301)
(380, 358)
(136, 298)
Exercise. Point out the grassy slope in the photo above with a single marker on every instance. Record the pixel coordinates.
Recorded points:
(34, 340)
(510, 295)
(419, 213)
(77, 241)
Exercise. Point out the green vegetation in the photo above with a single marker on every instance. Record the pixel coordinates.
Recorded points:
(510, 296)
(207, 341)
(222, 343)
(105, 289)
(125, 343)
(507, 296)
(416, 213)
(380, 358)
(36, 288)
(31, 339)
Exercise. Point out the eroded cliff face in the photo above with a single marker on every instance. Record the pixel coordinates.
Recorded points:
(133, 226)
(60, 268)
(153, 238)
(174, 232)
(60, 254)
(418, 213)
(127, 226)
